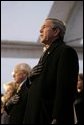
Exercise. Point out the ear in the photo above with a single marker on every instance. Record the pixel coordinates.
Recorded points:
(56, 32)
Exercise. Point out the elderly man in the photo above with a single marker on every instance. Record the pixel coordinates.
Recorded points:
(21, 73)
(52, 92)
(16, 105)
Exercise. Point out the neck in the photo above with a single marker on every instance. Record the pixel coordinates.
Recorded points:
(46, 46)
(51, 41)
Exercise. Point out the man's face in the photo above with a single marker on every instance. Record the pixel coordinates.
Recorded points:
(79, 85)
(18, 76)
(46, 32)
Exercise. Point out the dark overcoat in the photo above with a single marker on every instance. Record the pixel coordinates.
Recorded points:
(52, 92)
(16, 111)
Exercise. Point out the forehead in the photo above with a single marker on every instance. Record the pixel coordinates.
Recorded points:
(47, 22)
(17, 68)
(16, 71)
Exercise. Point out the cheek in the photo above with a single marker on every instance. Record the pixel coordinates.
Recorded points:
(19, 77)
(79, 84)
(10, 93)
(48, 34)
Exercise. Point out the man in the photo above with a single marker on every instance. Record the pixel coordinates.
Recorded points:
(15, 107)
(52, 92)
(21, 73)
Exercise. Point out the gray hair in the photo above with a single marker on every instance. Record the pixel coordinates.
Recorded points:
(23, 67)
(58, 24)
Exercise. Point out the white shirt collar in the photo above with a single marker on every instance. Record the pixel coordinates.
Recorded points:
(21, 85)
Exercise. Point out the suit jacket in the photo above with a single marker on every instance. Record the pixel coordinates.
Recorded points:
(16, 111)
(52, 92)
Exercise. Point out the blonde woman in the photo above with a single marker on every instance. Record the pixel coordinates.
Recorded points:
(10, 90)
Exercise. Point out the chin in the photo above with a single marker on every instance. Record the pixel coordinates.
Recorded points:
(42, 41)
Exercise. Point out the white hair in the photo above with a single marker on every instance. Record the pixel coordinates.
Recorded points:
(23, 67)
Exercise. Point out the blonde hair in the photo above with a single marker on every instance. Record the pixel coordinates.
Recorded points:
(6, 97)
(9, 84)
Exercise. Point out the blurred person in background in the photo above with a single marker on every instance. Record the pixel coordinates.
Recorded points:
(79, 100)
(10, 90)
(16, 105)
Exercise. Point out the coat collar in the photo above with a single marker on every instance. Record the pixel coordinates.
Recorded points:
(56, 43)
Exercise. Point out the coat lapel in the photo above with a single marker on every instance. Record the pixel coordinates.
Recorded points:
(53, 46)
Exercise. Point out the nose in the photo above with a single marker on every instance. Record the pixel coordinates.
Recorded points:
(41, 30)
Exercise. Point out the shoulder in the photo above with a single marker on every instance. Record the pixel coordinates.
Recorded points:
(68, 49)
(63, 48)
(23, 91)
